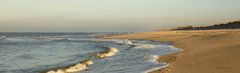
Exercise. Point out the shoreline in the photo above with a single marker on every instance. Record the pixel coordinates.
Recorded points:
(168, 58)
(205, 51)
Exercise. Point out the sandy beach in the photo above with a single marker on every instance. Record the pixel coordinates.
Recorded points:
(205, 51)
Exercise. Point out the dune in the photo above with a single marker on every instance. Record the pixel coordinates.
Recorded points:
(205, 51)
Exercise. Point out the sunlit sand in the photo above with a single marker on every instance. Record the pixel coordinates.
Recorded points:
(205, 51)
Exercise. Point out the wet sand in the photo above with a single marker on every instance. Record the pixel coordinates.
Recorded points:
(205, 51)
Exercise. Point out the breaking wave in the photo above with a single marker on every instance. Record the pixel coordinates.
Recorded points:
(61, 54)
(83, 65)
(17, 39)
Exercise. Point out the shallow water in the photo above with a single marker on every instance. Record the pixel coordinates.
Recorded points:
(36, 52)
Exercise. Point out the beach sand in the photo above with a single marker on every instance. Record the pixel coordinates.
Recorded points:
(205, 51)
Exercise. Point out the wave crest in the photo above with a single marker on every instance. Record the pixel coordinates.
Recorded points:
(109, 52)
(83, 65)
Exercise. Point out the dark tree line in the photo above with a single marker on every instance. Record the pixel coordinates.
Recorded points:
(230, 25)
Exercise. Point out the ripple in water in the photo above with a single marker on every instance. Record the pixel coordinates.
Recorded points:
(37, 55)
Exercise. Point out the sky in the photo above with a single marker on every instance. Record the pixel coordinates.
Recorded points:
(112, 15)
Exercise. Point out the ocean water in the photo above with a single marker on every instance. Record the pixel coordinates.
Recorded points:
(37, 52)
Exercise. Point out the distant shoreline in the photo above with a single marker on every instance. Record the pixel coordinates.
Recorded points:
(205, 51)
(229, 25)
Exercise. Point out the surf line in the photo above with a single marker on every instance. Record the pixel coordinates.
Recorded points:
(83, 65)
(108, 53)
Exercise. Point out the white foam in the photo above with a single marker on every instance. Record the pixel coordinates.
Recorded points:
(154, 58)
(156, 68)
(122, 41)
(75, 68)
(145, 46)
(20, 39)
(128, 42)
(3, 37)
(51, 71)
(60, 71)
(108, 53)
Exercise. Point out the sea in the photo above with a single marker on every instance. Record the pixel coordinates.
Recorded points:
(33, 52)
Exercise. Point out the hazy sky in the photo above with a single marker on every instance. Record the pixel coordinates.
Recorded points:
(112, 15)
